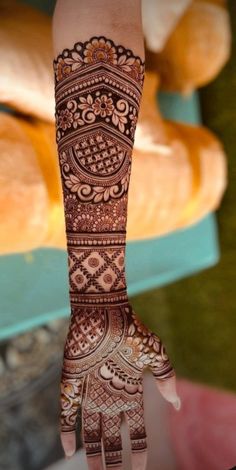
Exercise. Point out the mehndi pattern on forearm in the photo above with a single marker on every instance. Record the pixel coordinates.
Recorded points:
(98, 90)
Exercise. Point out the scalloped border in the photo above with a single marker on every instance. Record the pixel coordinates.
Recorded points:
(80, 47)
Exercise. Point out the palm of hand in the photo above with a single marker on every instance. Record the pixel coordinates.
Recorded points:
(106, 352)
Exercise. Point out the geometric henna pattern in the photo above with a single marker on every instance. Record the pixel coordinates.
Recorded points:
(85, 333)
(136, 424)
(91, 431)
(98, 271)
(98, 90)
(111, 434)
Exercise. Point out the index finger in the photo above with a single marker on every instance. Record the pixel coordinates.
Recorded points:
(71, 396)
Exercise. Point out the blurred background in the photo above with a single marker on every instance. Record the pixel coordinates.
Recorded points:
(181, 253)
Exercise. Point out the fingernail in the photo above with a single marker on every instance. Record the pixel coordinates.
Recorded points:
(69, 454)
(177, 404)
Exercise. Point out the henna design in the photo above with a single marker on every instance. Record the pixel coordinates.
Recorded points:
(92, 432)
(137, 428)
(71, 397)
(112, 439)
(98, 89)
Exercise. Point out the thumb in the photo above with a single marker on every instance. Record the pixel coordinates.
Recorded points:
(164, 372)
(167, 388)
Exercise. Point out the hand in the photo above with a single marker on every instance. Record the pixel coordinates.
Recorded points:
(105, 354)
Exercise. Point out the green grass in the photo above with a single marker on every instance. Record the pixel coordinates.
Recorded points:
(195, 317)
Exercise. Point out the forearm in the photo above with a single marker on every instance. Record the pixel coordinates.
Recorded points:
(78, 20)
(98, 90)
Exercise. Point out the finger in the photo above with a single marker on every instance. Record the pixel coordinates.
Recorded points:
(135, 420)
(68, 441)
(111, 436)
(71, 389)
(167, 388)
(164, 373)
(91, 430)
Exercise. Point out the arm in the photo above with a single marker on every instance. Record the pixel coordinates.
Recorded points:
(99, 73)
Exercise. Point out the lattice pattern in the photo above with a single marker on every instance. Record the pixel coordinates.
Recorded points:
(97, 271)
(99, 155)
(85, 333)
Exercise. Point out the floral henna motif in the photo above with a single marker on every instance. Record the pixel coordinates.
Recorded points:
(98, 90)
(71, 395)
(145, 349)
(98, 50)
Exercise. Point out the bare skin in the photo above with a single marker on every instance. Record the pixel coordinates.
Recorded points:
(99, 70)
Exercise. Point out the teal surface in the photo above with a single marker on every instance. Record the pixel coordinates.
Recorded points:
(177, 108)
(47, 6)
(34, 287)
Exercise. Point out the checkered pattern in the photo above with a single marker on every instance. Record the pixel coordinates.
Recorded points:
(98, 154)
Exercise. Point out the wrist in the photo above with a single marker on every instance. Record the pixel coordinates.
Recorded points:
(109, 299)
(97, 269)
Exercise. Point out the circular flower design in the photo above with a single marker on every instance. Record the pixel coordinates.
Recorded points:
(65, 119)
(100, 49)
(93, 262)
(103, 222)
(79, 279)
(83, 223)
(103, 106)
(107, 278)
(105, 209)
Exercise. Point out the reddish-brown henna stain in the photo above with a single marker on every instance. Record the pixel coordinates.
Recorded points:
(98, 90)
